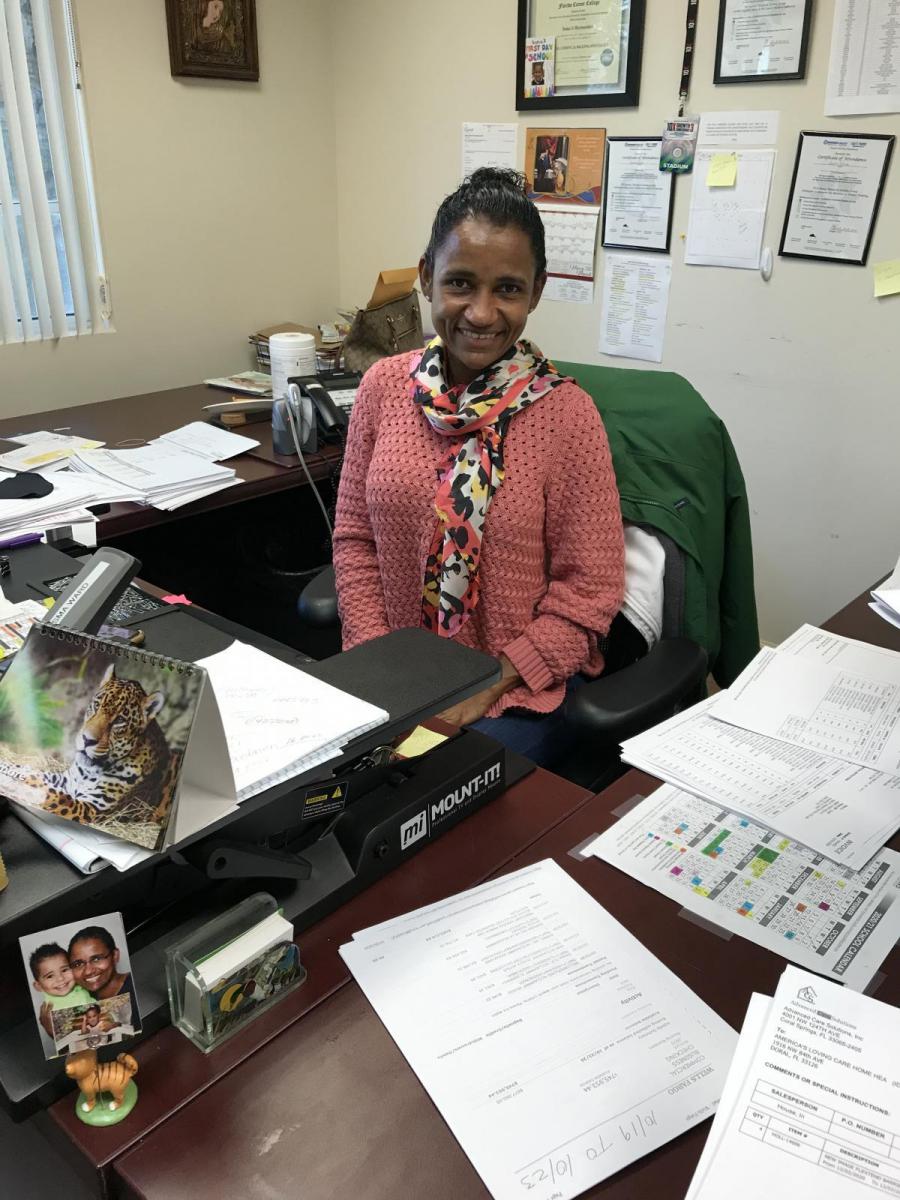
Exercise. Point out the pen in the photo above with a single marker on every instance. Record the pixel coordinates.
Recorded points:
(24, 539)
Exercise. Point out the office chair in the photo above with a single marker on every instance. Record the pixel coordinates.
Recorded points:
(678, 478)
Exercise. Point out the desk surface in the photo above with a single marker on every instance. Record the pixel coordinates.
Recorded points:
(132, 420)
(336, 1110)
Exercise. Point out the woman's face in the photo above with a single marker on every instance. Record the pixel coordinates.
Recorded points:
(482, 289)
(93, 965)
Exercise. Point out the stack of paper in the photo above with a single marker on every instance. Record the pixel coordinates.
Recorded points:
(765, 887)
(555, 1046)
(811, 1106)
(66, 504)
(279, 721)
(160, 474)
(88, 849)
(886, 599)
(807, 742)
(209, 441)
(44, 450)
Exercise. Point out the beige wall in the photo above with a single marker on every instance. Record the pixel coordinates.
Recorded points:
(802, 369)
(216, 202)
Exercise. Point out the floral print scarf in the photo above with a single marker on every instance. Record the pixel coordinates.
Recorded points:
(474, 419)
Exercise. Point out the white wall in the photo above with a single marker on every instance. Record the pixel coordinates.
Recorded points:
(801, 369)
(216, 205)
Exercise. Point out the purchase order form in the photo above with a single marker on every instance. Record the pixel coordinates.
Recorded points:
(556, 1047)
(818, 1109)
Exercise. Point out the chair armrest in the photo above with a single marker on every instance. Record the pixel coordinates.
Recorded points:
(615, 707)
(317, 604)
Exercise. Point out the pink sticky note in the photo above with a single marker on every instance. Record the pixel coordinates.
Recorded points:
(175, 600)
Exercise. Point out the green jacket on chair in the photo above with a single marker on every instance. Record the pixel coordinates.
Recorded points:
(677, 470)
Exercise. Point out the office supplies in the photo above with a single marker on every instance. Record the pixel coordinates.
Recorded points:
(240, 404)
(330, 421)
(85, 848)
(119, 739)
(25, 539)
(814, 1110)
(231, 970)
(291, 353)
(158, 473)
(760, 885)
(293, 426)
(555, 1046)
(133, 604)
(199, 437)
(41, 450)
(94, 591)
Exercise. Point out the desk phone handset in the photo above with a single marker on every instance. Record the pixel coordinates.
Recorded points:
(314, 416)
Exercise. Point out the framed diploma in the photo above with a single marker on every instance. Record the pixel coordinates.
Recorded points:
(761, 41)
(638, 196)
(835, 196)
(578, 55)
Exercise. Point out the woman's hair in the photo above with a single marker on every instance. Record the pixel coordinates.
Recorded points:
(498, 195)
(98, 933)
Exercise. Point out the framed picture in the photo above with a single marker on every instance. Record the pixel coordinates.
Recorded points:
(760, 42)
(578, 57)
(213, 39)
(637, 196)
(835, 195)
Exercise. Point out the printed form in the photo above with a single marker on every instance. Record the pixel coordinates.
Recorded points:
(817, 1112)
(759, 884)
(556, 1047)
(841, 810)
(824, 693)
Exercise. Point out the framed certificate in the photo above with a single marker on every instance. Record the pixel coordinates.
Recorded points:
(578, 55)
(761, 41)
(835, 195)
(637, 196)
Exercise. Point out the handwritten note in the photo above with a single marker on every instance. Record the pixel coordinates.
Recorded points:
(722, 170)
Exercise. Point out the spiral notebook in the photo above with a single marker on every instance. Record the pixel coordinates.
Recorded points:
(126, 742)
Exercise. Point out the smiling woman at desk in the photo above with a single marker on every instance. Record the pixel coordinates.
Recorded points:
(477, 497)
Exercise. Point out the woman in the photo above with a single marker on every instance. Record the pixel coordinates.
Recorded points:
(477, 497)
(94, 960)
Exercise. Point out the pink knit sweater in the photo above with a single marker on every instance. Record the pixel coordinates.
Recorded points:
(552, 565)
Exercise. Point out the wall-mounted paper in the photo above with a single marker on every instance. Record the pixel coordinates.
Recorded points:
(864, 72)
(722, 170)
(725, 227)
(887, 278)
(738, 129)
(568, 291)
(635, 306)
(488, 144)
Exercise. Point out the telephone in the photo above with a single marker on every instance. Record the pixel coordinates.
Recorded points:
(319, 412)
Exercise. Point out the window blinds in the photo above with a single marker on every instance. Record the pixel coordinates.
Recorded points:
(51, 272)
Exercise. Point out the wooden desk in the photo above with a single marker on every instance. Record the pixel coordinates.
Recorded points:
(132, 420)
(332, 1109)
(174, 1074)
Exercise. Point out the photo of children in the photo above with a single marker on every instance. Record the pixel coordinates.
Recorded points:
(95, 736)
(82, 990)
(551, 163)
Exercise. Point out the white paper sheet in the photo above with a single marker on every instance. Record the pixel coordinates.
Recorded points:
(525, 1010)
(750, 128)
(726, 224)
(85, 848)
(835, 709)
(761, 39)
(751, 1032)
(844, 812)
(488, 144)
(209, 441)
(568, 291)
(886, 598)
(635, 306)
(279, 721)
(864, 69)
(817, 1112)
(759, 884)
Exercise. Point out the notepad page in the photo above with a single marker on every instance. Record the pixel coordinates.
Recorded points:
(278, 720)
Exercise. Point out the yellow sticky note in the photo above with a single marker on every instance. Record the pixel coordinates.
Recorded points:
(887, 278)
(420, 741)
(722, 170)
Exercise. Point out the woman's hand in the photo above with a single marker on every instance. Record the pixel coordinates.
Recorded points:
(474, 707)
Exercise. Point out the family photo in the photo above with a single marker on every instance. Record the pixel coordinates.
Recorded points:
(81, 987)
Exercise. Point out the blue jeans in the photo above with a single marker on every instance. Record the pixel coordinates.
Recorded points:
(542, 737)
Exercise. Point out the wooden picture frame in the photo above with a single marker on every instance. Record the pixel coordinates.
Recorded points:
(573, 85)
(213, 39)
(728, 10)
